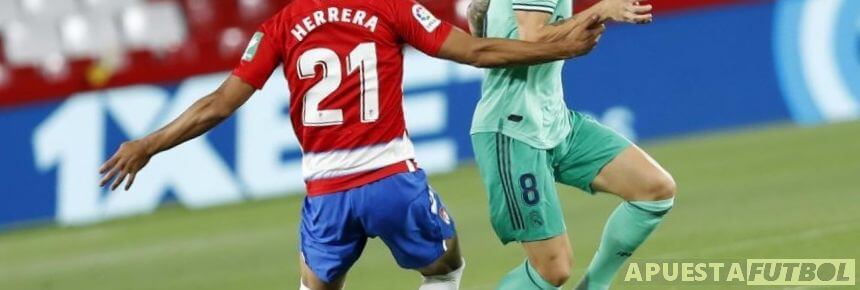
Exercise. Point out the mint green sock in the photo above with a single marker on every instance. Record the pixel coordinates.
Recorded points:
(627, 227)
(525, 277)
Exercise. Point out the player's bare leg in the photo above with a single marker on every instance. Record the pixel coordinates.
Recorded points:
(310, 281)
(634, 176)
(547, 267)
(648, 192)
(551, 258)
(445, 273)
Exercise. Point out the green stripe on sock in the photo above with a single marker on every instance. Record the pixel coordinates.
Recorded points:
(655, 206)
(658, 213)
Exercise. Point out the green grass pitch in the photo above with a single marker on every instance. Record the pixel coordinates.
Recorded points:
(776, 192)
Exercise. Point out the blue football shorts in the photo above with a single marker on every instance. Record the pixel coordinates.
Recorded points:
(402, 210)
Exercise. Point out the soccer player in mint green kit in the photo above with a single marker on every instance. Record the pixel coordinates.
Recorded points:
(525, 140)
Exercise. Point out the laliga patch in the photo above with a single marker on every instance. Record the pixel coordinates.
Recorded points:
(426, 18)
(251, 50)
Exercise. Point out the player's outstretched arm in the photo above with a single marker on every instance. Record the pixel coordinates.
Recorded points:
(535, 26)
(495, 52)
(201, 117)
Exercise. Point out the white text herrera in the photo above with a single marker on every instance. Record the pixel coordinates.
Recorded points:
(333, 14)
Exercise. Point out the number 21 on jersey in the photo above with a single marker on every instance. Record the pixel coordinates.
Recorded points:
(361, 60)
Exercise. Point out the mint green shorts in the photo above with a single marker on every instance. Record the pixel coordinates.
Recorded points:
(520, 179)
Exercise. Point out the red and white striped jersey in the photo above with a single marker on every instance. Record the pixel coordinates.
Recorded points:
(343, 63)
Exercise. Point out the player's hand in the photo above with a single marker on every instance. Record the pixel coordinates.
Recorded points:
(629, 11)
(584, 37)
(126, 162)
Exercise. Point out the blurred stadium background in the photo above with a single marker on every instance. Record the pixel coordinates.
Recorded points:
(751, 104)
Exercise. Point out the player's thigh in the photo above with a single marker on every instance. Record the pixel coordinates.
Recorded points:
(634, 175)
(310, 279)
(331, 237)
(520, 186)
(580, 158)
(410, 218)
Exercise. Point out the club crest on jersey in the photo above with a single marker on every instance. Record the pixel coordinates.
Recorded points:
(427, 19)
(444, 215)
(251, 50)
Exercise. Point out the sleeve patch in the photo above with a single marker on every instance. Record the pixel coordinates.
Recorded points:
(251, 50)
(427, 19)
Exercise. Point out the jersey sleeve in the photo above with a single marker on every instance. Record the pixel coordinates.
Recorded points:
(547, 6)
(260, 59)
(418, 27)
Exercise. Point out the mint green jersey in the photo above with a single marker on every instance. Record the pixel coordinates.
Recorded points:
(525, 103)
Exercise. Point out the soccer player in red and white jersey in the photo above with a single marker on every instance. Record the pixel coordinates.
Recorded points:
(344, 64)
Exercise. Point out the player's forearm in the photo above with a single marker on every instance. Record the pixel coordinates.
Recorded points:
(559, 30)
(549, 32)
(201, 117)
(495, 52)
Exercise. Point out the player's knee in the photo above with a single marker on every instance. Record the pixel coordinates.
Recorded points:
(555, 269)
(661, 187)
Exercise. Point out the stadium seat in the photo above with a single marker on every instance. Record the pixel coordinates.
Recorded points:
(30, 42)
(109, 6)
(4, 76)
(201, 13)
(49, 43)
(155, 26)
(89, 35)
(233, 40)
(8, 11)
(252, 10)
(46, 10)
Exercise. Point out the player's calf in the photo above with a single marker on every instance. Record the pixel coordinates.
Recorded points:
(551, 258)
(556, 271)
(547, 267)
